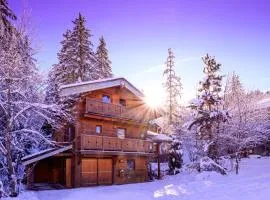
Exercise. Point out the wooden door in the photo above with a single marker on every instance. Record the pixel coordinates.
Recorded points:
(89, 171)
(104, 171)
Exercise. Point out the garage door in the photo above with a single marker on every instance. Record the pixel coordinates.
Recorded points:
(104, 171)
(89, 172)
(96, 171)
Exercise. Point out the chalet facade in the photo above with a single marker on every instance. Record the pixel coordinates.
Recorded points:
(108, 142)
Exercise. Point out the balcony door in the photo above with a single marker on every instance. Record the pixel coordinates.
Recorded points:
(121, 133)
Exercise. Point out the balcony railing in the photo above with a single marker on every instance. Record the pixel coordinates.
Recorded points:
(105, 143)
(107, 109)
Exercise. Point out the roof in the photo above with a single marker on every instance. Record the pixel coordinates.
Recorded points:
(158, 137)
(160, 121)
(26, 160)
(87, 86)
(163, 124)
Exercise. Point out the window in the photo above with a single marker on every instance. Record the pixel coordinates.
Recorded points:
(121, 133)
(150, 146)
(131, 164)
(106, 99)
(122, 102)
(98, 129)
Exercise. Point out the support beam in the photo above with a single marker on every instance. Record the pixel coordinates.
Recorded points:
(158, 160)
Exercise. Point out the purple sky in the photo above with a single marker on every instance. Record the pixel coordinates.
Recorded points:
(138, 34)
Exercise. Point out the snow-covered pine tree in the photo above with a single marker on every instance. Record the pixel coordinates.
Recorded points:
(175, 156)
(22, 114)
(76, 63)
(103, 62)
(61, 73)
(82, 56)
(6, 18)
(208, 107)
(173, 88)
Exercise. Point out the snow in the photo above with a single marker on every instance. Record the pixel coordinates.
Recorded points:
(158, 136)
(90, 82)
(196, 102)
(163, 167)
(87, 86)
(253, 183)
(36, 153)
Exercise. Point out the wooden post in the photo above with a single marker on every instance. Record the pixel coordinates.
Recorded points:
(158, 160)
(68, 173)
(29, 176)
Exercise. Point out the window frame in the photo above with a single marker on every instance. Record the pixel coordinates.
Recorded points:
(133, 164)
(124, 100)
(100, 126)
(106, 95)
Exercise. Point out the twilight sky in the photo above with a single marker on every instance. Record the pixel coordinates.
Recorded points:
(139, 32)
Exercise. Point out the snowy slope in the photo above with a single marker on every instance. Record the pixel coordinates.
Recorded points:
(253, 183)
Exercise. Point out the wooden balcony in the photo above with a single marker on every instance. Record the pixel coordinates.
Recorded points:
(105, 143)
(94, 106)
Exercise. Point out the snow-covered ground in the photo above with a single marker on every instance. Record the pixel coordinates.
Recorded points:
(253, 183)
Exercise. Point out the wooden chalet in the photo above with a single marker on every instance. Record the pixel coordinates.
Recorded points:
(107, 144)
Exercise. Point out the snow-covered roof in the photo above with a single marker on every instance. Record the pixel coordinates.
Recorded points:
(158, 137)
(264, 103)
(160, 121)
(88, 86)
(44, 154)
(163, 124)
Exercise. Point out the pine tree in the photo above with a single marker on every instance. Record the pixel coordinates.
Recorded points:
(103, 62)
(175, 161)
(61, 73)
(208, 106)
(6, 16)
(76, 61)
(82, 57)
(173, 87)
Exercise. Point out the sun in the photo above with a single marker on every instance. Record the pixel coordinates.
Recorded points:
(153, 99)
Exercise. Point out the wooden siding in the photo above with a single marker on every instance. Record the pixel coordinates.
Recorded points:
(109, 128)
(124, 175)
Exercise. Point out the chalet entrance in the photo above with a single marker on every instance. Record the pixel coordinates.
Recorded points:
(96, 171)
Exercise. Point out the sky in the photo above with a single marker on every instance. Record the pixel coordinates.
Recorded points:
(138, 34)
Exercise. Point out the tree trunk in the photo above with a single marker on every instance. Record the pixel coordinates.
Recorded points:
(236, 163)
(11, 172)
